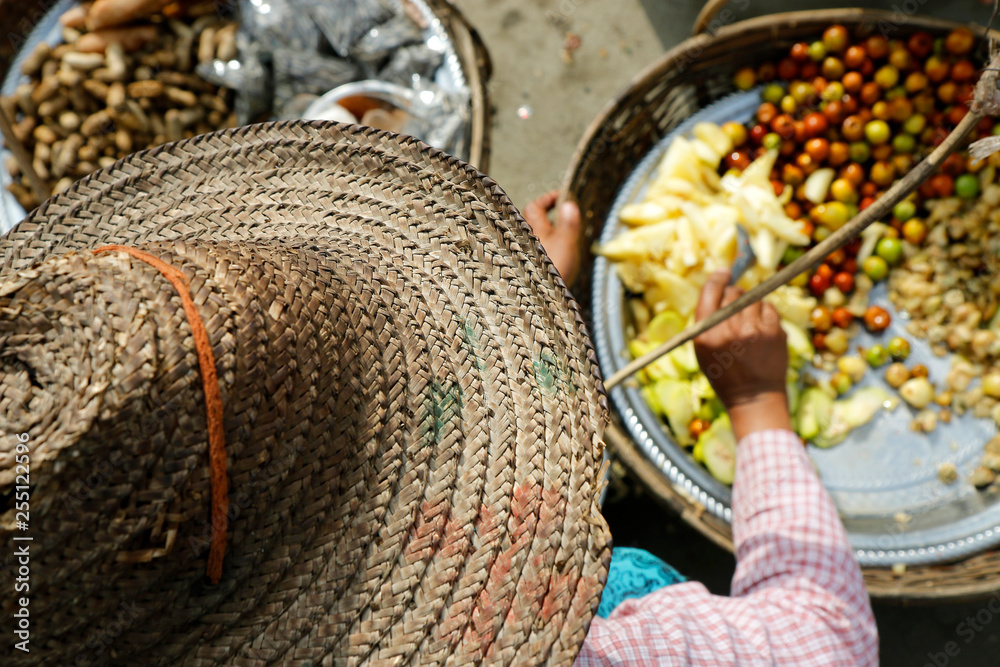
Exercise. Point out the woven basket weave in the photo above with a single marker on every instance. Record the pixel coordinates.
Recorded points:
(413, 412)
(690, 76)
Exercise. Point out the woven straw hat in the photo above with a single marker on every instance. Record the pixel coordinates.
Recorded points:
(342, 349)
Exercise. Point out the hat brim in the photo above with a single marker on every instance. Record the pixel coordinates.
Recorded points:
(498, 556)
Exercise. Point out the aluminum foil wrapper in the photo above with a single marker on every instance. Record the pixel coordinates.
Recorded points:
(444, 117)
(298, 72)
(379, 42)
(343, 22)
(419, 60)
(279, 23)
(293, 51)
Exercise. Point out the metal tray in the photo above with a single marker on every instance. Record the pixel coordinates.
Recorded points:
(449, 76)
(882, 470)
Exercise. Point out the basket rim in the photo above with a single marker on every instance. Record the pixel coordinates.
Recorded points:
(779, 20)
(898, 588)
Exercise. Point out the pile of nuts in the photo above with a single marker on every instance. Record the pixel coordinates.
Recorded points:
(96, 98)
(950, 288)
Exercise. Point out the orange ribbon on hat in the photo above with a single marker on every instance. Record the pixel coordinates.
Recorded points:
(213, 405)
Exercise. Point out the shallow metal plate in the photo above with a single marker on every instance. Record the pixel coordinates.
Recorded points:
(449, 76)
(881, 470)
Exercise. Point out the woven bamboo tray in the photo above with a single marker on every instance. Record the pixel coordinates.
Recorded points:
(690, 76)
(18, 17)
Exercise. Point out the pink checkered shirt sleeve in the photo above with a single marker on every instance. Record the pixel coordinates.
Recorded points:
(797, 595)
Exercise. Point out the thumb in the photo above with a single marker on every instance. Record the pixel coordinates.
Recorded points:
(568, 220)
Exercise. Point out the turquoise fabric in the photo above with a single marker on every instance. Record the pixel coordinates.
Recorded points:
(634, 573)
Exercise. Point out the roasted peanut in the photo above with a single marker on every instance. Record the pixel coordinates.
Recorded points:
(88, 153)
(41, 169)
(178, 96)
(83, 61)
(24, 99)
(116, 94)
(148, 88)
(172, 120)
(49, 68)
(213, 102)
(23, 129)
(68, 155)
(97, 89)
(60, 51)
(62, 185)
(67, 76)
(45, 135)
(96, 123)
(53, 107)
(33, 63)
(75, 17)
(206, 45)
(46, 89)
(225, 42)
(115, 56)
(70, 35)
(81, 169)
(123, 141)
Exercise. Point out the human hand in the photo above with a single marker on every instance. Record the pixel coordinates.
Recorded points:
(745, 358)
(561, 240)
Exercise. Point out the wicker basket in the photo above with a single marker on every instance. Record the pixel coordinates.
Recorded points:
(19, 17)
(693, 74)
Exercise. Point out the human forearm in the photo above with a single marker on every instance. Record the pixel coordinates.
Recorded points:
(764, 412)
(791, 547)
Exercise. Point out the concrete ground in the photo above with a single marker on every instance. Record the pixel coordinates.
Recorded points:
(543, 102)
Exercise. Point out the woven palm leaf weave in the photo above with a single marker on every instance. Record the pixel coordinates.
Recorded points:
(412, 412)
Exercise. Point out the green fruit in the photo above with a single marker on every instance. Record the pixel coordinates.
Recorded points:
(840, 383)
(904, 210)
(792, 253)
(833, 91)
(674, 398)
(664, 326)
(817, 51)
(967, 186)
(815, 409)
(904, 143)
(771, 141)
(718, 447)
(773, 92)
(876, 356)
(915, 124)
(833, 214)
(891, 250)
(875, 268)
(899, 348)
(859, 152)
(877, 131)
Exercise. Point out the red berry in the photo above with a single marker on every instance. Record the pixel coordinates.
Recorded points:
(800, 52)
(920, 44)
(842, 317)
(844, 281)
(788, 69)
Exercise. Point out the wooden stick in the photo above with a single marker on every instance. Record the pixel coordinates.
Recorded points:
(22, 157)
(817, 255)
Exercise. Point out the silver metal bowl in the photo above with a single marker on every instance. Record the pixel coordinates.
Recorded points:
(883, 472)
